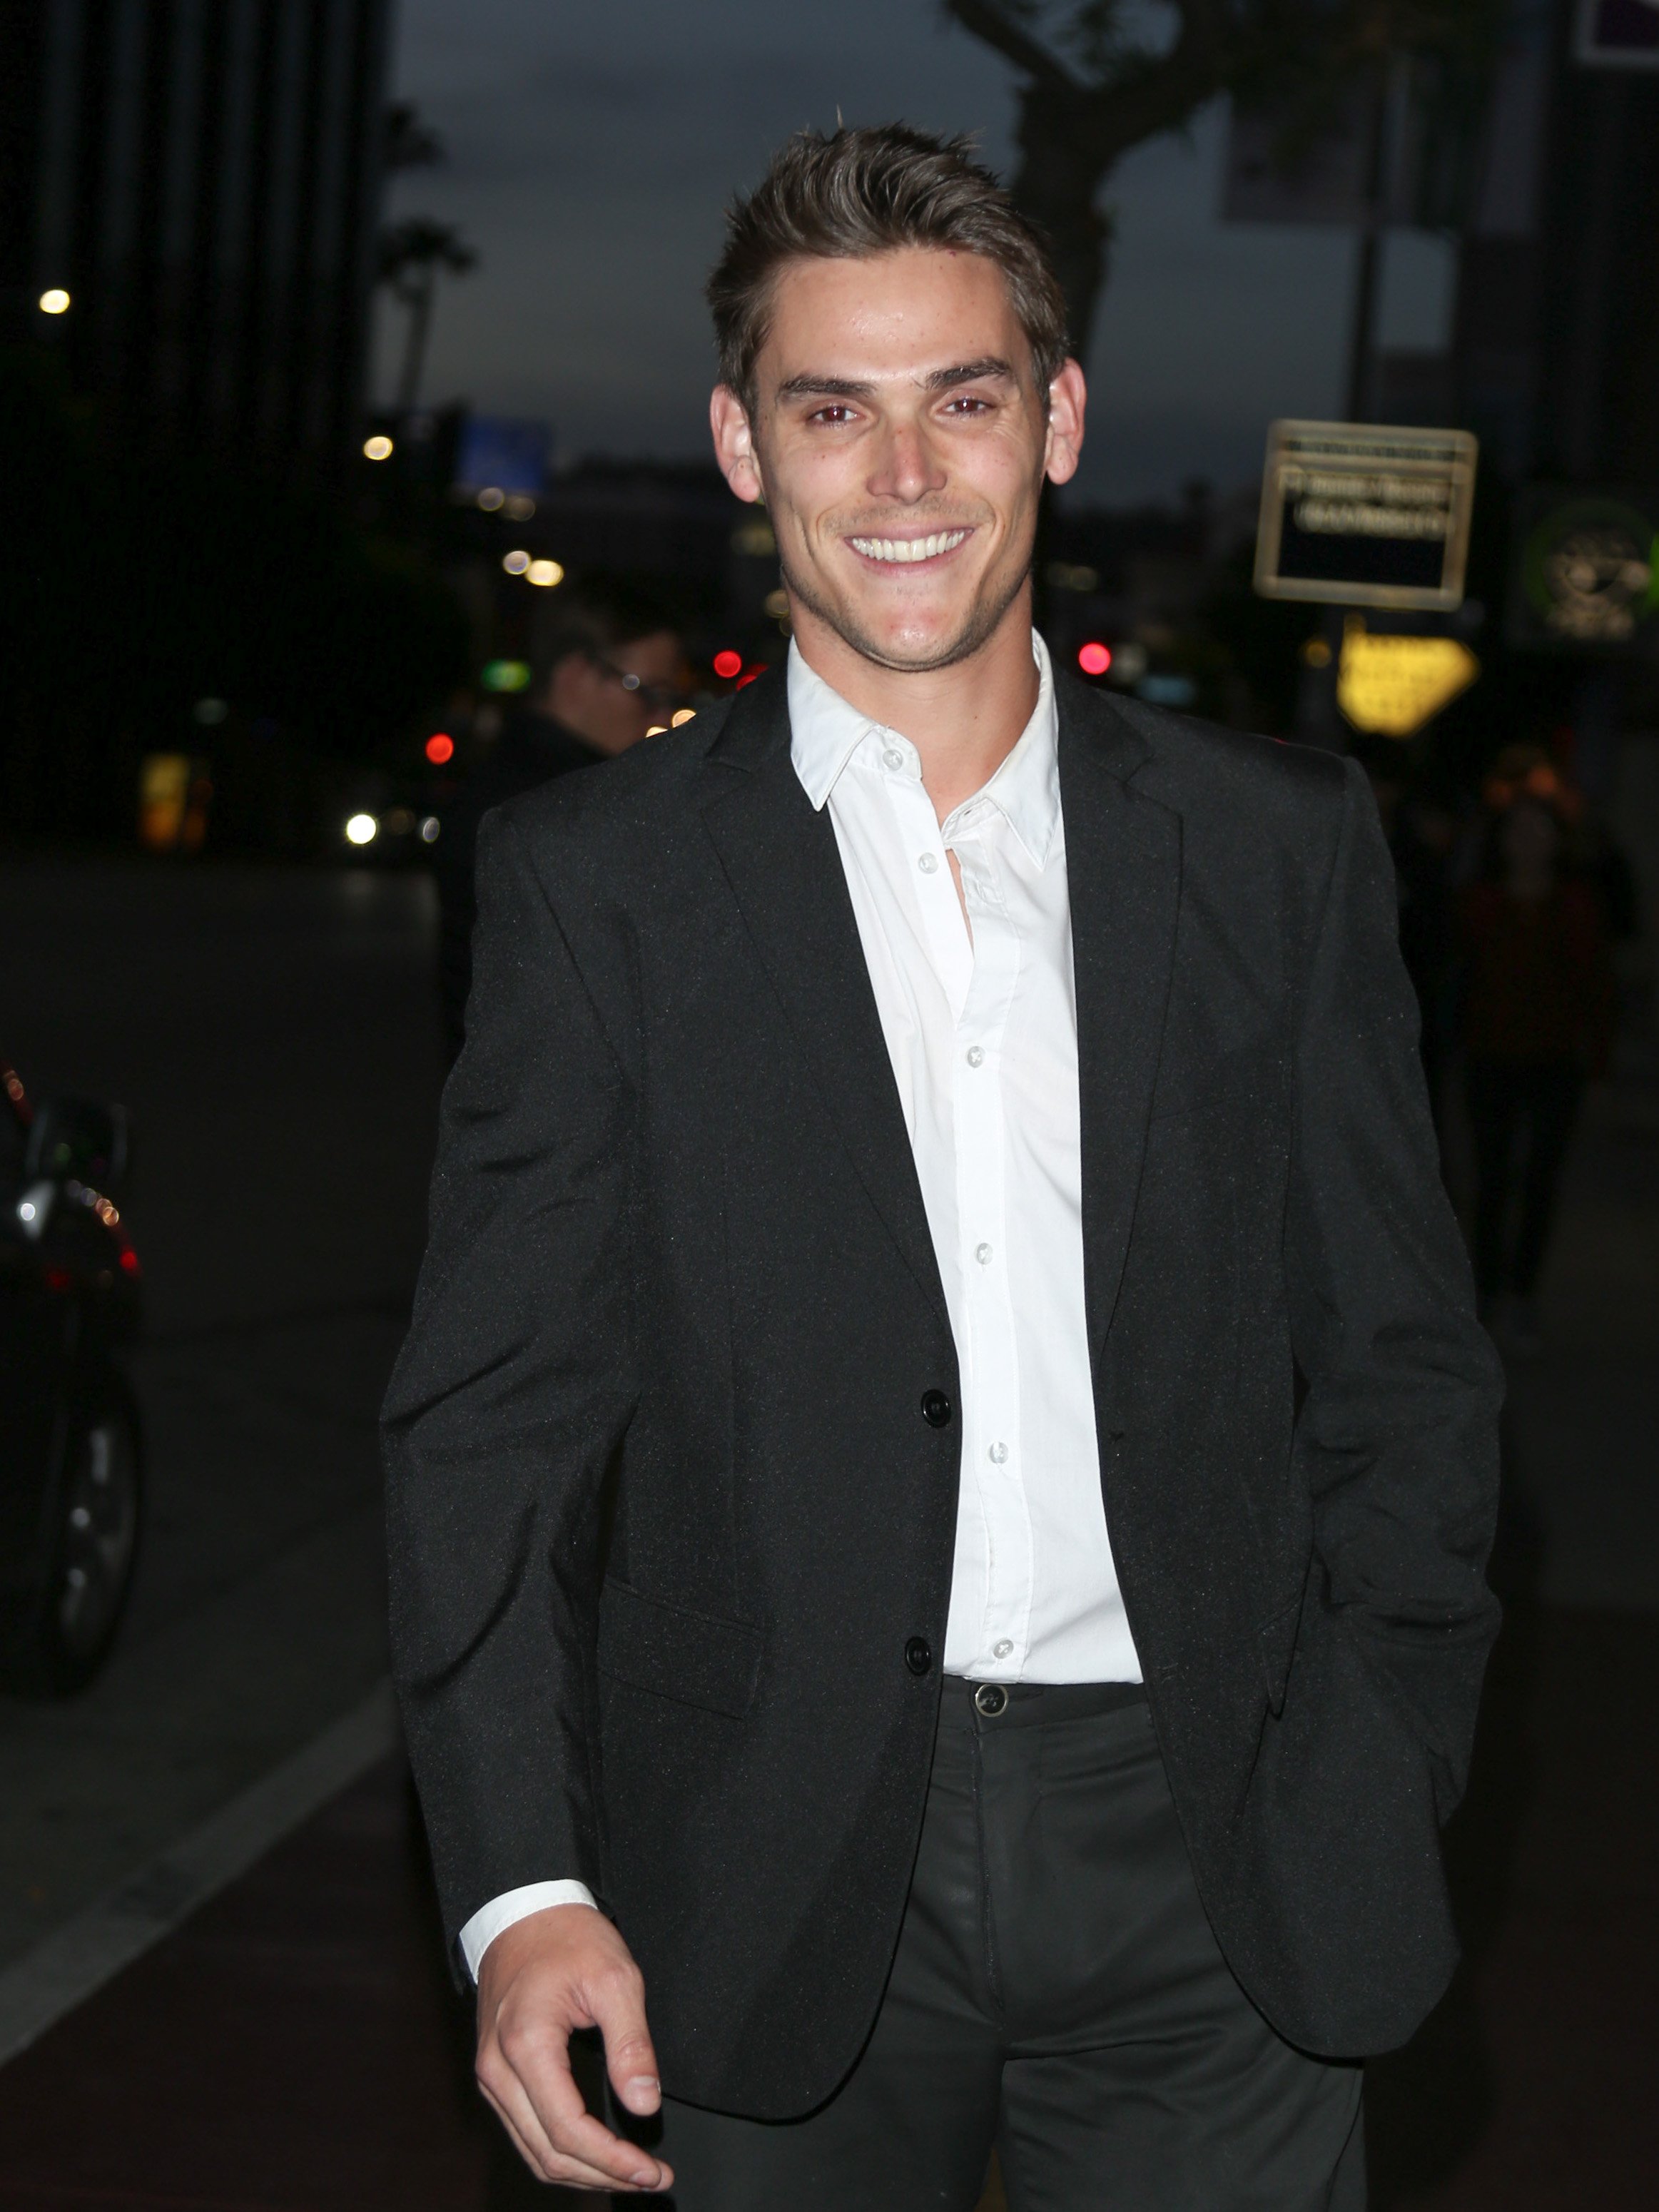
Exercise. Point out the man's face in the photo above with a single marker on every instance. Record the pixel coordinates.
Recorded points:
(611, 700)
(900, 443)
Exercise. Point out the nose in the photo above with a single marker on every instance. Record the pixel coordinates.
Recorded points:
(907, 467)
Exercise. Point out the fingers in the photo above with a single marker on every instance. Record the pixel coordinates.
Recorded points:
(524, 2072)
(530, 2139)
(617, 2004)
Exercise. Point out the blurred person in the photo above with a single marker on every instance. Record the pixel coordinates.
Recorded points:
(608, 664)
(941, 1473)
(1537, 1023)
(1422, 838)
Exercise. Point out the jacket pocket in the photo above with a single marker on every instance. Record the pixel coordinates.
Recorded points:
(695, 1658)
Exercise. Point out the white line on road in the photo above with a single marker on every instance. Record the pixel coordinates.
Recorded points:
(65, 1967)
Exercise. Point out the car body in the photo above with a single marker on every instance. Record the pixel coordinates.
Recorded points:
(70, 1448)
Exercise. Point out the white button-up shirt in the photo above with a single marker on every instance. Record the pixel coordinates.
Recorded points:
(980, 1017)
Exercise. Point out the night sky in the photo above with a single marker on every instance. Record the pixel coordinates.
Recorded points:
(591, 148)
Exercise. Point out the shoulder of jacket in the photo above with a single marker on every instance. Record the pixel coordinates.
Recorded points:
(648, 784)
(1196, 764)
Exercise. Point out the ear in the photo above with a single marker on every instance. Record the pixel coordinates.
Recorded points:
(734, 443)
(1068, 396)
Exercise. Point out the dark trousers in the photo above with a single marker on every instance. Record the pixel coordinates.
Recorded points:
(1056, 1993)
(1520, 1118)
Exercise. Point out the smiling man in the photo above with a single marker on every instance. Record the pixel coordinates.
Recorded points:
(941, 1480)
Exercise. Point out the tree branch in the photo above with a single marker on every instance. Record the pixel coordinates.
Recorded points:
(985, 19)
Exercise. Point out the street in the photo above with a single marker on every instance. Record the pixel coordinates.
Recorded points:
(294, 2044)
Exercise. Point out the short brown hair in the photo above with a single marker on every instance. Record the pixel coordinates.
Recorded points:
(867, 191)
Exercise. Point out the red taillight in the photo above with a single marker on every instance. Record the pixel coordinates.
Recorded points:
(1094, 658)
(728, 664)
(129, 1261)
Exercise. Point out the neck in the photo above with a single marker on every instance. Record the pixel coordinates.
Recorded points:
(963, 721)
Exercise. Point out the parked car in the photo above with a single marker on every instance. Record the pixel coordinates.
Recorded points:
(71, 1457)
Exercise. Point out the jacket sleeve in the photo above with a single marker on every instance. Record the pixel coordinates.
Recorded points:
(512, 1394)
(1397, 1435)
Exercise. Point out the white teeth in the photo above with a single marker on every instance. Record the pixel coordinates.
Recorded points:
(909, 549)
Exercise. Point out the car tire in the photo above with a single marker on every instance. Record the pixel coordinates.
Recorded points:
(97, 1513)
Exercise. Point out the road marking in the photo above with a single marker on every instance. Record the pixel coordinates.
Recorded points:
(67, 1966)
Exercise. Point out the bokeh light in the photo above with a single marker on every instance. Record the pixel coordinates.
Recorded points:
(377, 448)
(362, 830)
(440, 748)
(55, 302)
(727, 663)
(1094, 658)
(544, 573)
(515, 562)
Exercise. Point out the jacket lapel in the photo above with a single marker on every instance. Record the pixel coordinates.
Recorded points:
(780, 857)
(1123, 869)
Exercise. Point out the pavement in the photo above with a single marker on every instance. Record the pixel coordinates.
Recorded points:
(279, 2034)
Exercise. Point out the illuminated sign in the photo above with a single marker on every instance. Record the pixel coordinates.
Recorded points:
(1587, 570)
(1360, 516)
(1391, 685)
(1617, 35)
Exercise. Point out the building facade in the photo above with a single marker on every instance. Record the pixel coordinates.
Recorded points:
(203, 178)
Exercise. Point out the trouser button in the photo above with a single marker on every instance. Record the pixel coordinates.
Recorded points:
(991, 1699)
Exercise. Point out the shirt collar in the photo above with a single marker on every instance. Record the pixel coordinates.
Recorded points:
(825, 731)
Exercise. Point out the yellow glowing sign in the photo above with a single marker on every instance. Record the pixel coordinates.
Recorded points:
(1391, 685)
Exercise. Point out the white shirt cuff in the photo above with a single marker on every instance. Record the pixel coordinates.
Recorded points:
(488, 1921)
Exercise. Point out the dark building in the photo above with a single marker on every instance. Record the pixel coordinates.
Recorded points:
(201, 177)
(1556, 344)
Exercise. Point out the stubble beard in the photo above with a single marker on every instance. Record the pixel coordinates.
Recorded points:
(980, 624)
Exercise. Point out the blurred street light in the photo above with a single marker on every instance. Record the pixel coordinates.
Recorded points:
(491, 497)
(515, 563)
(377, 448)
(54, 303)
(440, 748)
(362, 830)
(544, 573)
(727, 663)
(1094, 658)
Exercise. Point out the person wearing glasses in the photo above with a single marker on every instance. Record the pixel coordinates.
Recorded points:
(608, 665)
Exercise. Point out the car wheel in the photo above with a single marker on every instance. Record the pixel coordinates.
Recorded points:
(95, 1549)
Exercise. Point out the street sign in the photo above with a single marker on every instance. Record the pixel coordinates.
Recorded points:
(1587, 573)
(1363, 516)
(1391, 685)
(1617, 35)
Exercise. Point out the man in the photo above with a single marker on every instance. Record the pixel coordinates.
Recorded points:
(944, 1464)
(608, 666)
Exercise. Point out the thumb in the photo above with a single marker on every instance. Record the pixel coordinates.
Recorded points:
(618, 2010)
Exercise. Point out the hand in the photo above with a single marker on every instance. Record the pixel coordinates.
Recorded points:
(541, 1978)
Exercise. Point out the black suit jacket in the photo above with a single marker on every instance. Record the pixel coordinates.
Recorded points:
(665, 1513)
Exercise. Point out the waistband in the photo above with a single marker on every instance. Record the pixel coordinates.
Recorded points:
(1030, 1705)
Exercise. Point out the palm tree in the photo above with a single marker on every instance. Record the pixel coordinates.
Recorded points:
(412, 253)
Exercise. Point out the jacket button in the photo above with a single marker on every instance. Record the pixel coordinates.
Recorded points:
(935, 1408)
(918, 1655)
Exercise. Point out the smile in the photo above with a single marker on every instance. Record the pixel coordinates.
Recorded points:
(909, 549)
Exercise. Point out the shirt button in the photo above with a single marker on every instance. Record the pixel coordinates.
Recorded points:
(927, 863)
(919, 1655)
(975, 1055)
(892, 758)
(935, 1408)
(999, 1454)
(1001, 1650)
(983, 1254)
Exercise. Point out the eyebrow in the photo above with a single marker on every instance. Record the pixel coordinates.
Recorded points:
(941, 379)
